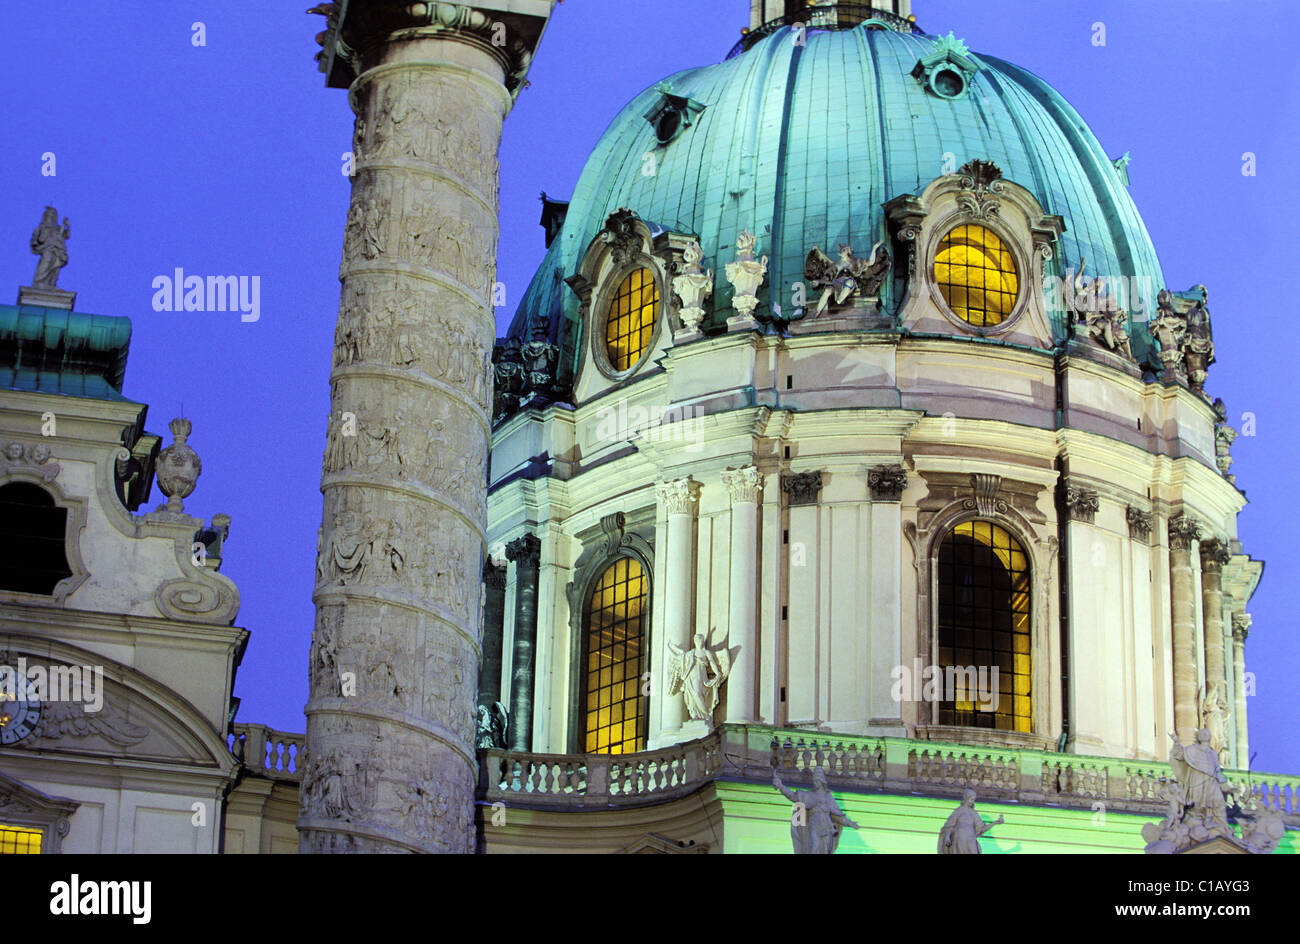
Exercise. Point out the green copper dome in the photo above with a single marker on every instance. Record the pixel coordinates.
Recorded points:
(802, 144)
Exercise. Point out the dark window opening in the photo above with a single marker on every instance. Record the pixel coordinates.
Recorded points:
(32, 535)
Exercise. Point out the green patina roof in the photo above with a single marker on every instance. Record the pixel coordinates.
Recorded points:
(49, 350)
(802, 145)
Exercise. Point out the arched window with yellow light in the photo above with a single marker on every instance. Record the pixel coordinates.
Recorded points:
(977, 276)
(983, 623)
(613, 710)
(630, 321)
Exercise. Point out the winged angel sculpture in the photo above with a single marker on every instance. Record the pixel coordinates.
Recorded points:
(697, 674)
(840, 280)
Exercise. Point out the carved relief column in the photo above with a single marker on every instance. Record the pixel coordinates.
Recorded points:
(680, 500)
(1183, 530)
(1240, 630)
(1214, 554)
(390, 753)
(525, 552)
(746, 487)
(494, 617)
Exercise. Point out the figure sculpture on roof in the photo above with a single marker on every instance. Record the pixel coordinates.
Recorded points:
(841, 280)
(49, 241)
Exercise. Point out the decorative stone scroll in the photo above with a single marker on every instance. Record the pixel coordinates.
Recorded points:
(986, 501)
(887, 482)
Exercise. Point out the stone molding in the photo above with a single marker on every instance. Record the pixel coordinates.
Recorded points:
(21, 805)
(744, 484)
(887, 482)
(802, 488)
(986, 501)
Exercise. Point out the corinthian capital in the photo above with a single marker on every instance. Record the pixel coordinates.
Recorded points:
(745, 484)
(679, 497)
(1214, 554)
(1240, 627)
(1183, 530)
(525, 550)
(886, 482)
(802, 487)
(354, 41)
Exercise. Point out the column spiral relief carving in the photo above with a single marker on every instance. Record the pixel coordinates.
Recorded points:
(395, 654)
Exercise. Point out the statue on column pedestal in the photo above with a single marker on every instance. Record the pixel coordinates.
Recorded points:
(49, 241)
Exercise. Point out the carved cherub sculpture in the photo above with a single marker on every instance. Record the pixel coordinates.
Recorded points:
(840, 280)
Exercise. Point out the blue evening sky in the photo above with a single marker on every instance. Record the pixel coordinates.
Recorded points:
(225, 159)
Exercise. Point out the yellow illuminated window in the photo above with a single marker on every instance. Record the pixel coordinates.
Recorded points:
(20, 840)
(984, 623)
(977, 276)
(614, 710)
(631, 319)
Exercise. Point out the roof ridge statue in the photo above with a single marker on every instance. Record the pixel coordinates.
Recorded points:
(1197, 795)
(817, 820)
(49, 241)
(839, 281)
(961, 832)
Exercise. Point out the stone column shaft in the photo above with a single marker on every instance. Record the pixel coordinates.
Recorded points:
(1182, 532)
(390, 761)
(1240, 630)
(746, 488)
(1214, 554)
(526, 554)
(494, 617)
(681, 499)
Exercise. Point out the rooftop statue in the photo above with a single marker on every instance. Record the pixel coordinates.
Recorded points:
(960, 834)
(840, 280)
(817, 821)
(49, 241)
(1197, 794)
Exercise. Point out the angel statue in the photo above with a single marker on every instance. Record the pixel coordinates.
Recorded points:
(818, 821)
(960, 834)
(838, 281)
(49, 241)
(689, 674)
(491, 726)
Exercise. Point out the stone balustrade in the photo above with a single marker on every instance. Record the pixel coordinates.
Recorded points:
(852, 762)
(271, 753)
(599, 780)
